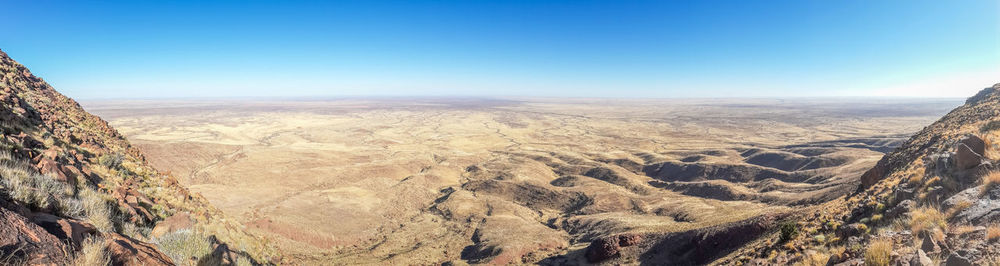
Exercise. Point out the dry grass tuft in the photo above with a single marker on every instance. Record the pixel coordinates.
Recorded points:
(92, 253)
(927, 218)
(181, 245)
(958, 208)
(814, 259)
(991, 181)
(878, 252)
(993, 233)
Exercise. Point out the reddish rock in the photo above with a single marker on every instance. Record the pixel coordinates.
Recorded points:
(66, 229)
(605, 248)
(966, 158)
(975, 143)
(24, 241)
(127, 251)
(179, 221)
(629, 240)
(47, 166)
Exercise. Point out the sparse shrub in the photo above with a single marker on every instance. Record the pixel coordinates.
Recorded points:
(990, 126)
(789, 230)
(915, 180)
(181, 245)
(991, 181)
(958, 208)
(92, 253)
(112, 160)
(876, 218)
(97, 210)
(927, 218)
(820, 239)
(993, 233)
(814, 259)
(878, 252)
(22, 183)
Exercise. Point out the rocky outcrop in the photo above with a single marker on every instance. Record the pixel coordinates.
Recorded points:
(604, 248)
(127, 251)
(704, 245)
(70, 230)
(179, 221)
(24, 242)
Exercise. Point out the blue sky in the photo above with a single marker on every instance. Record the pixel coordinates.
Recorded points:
(712, 48)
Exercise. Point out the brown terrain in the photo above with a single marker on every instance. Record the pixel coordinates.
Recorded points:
(499, 181)
(496, 181)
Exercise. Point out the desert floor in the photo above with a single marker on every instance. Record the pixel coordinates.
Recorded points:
(430, 180)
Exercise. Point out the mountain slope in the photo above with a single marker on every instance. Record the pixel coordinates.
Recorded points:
(73, 186)
(934, 200)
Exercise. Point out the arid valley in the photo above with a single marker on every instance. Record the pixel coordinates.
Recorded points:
(431, 180)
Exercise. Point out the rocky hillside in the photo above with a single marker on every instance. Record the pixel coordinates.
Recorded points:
(74, 191)
(935, 200)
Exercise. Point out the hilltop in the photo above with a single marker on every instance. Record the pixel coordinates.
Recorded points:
(75, 191)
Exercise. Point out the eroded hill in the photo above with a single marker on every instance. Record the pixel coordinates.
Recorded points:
(427, 181)
(933, 201)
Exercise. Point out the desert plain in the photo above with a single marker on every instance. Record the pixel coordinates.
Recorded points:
(506, 180)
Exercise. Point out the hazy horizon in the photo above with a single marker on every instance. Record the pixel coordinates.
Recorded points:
(591, 49)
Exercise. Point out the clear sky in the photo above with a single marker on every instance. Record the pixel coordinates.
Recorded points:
(713, 48)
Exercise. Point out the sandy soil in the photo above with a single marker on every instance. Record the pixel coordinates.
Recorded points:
(506, 180)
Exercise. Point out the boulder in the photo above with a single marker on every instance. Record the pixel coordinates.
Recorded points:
(902, 208)
(957, 260)
(985, 209)
(70, 230)
(929, 244)
(179, 221)
(921, 259)
(23, 241)
(966, 158)
(127, 251)
(72, 172)
(975, 143)
(47, 166)
(850, 230)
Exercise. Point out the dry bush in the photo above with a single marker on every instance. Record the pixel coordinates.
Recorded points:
(962, 229)
(92, 253)
(927, 218)
(878, 252)
(96, 207)
(915, 180)
(993, 233)
(182, 245)
(814, 259)
(991, 181)
(991, 151)
(958, 208)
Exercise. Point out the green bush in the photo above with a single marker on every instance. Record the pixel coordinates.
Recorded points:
(789, 230)
(112, 161)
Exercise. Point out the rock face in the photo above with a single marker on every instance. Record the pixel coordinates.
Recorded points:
(127, 251)
(966, 158)
(26, 242)
(179, 221)
(65, 229)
